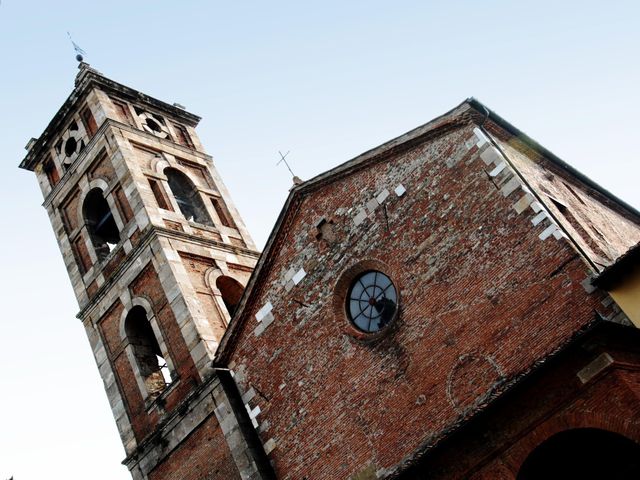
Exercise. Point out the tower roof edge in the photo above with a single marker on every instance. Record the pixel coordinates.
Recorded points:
(87, 79)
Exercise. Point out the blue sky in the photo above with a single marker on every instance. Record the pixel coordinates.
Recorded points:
(326, 80)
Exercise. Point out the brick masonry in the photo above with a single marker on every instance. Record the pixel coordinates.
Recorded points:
(553, 400)
(490, 242)
(490, 283)
(127, 142)
(202, 456)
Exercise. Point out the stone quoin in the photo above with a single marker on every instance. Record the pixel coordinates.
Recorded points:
(455, 303)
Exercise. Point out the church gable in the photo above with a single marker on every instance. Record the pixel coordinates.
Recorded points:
(478, 274)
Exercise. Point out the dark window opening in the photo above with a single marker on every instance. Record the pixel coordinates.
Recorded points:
(70, 146)
(187, 197)
(231, 291)
(584, 453)
(153, 125)
(579, 228)
(89, 121)
(123, 112)
(223, 213)
(182, 135)
(159, 195)
(51, 171)
(100, 223)
(148, 356)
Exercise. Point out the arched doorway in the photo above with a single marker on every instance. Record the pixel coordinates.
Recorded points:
(585, 454)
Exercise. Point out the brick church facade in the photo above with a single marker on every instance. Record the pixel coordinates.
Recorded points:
(455, 303)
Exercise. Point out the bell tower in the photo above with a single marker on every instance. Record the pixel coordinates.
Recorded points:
(156, 251)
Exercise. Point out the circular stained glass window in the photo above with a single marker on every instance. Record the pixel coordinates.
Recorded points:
(372, 301)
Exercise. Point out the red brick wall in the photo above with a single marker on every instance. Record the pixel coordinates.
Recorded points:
(482, 299)
(123, 205)
(606, 404)
(204, 455)
(69, 210)
(147, 285)
(102, 168)
(552, 399)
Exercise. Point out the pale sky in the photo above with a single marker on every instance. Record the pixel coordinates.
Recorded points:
(326, 80)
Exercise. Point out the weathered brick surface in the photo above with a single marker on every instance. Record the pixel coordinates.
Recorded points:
(69, 211)
(489, 287)
(204, 455)
(110, 327)
(102, 168)
(483, 298)
(602, 228)
(147, 285)
(551, 400)
(113, 262)
(123, 205)
(81, 255)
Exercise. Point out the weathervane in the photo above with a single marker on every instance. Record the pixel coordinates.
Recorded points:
(79, 51)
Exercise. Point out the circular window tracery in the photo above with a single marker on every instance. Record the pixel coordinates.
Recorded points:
(153, 124)
(372, 301)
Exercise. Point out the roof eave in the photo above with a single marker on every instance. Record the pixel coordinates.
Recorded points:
(530, 142)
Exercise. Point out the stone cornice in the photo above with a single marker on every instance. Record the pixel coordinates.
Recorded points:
(150, 234)
(86, 80)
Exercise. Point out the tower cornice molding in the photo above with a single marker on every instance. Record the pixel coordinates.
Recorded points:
(151, 234)
(87, 80)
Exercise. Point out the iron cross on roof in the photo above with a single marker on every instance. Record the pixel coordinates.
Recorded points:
(283, 158)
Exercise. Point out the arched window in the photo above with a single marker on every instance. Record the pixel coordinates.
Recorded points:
(231, 291)
(146, 351)
(187, 197)
(584, 453)
(102, 228)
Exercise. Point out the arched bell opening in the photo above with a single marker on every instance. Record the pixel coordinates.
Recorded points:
(187, 197)
(100, 223)
(231, 292)
(148, 356)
